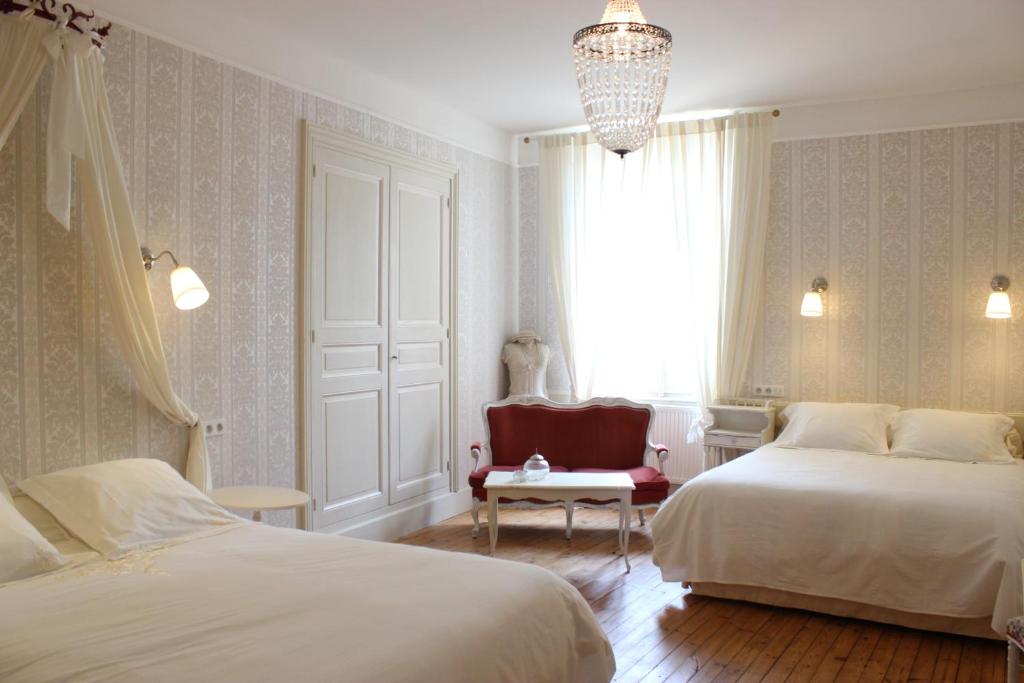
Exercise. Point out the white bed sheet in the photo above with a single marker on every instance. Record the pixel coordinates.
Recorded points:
(921, 536)
(256, 603)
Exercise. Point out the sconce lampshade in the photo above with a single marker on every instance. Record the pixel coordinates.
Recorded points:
(998, 300)
(998, 305)
(811, 306)
(187, 289)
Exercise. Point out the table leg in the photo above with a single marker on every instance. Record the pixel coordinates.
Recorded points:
(625, 517)
(492, 518)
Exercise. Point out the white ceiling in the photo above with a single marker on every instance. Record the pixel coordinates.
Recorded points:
(507, 63)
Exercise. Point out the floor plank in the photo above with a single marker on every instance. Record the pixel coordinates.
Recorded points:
(662, 632)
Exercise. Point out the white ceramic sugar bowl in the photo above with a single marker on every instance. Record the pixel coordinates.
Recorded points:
(536, 467)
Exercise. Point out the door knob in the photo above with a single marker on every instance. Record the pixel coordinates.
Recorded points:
(394, 357)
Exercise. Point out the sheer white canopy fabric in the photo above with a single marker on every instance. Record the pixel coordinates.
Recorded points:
(80, 127)
(657, 259)
(23, 57)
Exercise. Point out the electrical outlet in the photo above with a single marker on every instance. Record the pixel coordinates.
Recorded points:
(770, 390)
(215, 427)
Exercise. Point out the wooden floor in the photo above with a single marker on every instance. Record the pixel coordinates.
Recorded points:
(660, 632)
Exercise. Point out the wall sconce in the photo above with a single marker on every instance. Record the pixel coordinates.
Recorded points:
(812, 306)
(187, 289)
(999, 300)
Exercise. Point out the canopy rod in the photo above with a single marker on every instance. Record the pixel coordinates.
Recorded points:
(63, 13)
(664, 119)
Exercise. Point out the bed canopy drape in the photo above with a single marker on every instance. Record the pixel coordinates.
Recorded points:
(80, 131)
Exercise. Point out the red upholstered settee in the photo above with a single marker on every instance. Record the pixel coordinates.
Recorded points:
(600, 435)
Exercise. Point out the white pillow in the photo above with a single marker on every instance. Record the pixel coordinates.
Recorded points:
(860, 427)
(47, 525)
(23, 551)
(40, 519)
(951, 435)
(121, 505)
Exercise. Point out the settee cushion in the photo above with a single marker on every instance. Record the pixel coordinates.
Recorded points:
(651, 485)
(644, 478)
(614, 437)
(478, 477)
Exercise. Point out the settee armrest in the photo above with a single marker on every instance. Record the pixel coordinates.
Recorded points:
(661, 450)
(474, 450)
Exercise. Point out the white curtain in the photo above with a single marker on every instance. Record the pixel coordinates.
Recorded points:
(616, 266)
(81, 127)
(23, 57)
(657, 259)
(745, 192)
(727, 247)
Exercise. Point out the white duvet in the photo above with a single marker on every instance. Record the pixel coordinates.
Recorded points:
(922, 536)
(255, 603)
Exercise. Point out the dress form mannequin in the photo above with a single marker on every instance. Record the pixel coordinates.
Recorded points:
(527, 361)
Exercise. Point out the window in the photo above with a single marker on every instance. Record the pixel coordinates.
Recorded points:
(635, 286)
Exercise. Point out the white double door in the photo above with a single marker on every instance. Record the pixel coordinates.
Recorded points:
(379, 272)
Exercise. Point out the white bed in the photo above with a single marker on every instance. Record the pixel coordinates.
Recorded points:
(256, 603)
(922, 543)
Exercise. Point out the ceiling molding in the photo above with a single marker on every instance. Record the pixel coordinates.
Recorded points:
(337, 81)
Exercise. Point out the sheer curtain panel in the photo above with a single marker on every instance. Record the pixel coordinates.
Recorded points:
(23, 57)
(657, 259)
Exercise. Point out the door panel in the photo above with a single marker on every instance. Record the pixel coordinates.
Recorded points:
(352, 245)
(426, 355)
(349, 309)
(420, 236)
(419, 290)
(420, 432)
(350, 433)
(352, 360)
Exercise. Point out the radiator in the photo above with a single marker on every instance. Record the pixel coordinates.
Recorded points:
(671, 426)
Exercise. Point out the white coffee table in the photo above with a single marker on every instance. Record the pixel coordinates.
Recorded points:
(567, 487)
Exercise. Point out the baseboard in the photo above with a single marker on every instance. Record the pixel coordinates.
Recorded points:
(387, 525)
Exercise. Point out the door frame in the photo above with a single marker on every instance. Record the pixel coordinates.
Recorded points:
(314, 134)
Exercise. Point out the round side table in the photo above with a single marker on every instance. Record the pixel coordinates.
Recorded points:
(256, 499)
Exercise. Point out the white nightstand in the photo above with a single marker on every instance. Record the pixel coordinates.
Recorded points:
(256, 499)
(737, 427)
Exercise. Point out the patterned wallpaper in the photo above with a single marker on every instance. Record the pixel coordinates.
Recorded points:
(537, 308)
(212, 158)
(909, 228)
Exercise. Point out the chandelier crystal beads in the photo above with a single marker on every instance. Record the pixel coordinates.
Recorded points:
(622, 67)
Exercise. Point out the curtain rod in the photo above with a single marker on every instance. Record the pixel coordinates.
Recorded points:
(665, 119)
(61, 13)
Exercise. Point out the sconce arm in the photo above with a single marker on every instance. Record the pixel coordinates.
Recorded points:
(148, 259)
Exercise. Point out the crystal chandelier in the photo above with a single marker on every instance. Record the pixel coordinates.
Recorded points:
(622, 67)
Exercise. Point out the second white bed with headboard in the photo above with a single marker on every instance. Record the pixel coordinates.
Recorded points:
(928, 534)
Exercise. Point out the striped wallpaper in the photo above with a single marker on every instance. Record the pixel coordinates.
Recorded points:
(909, 228)
(212, 156)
